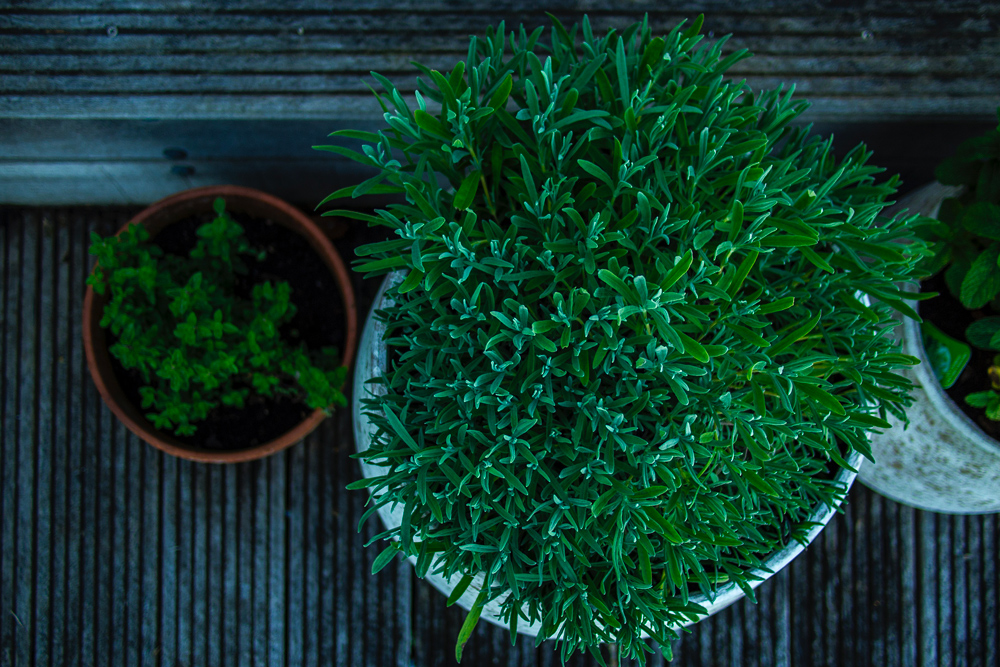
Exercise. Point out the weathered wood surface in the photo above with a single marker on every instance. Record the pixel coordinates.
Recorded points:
(57, 162)
(97, 95)
(113, 554)
(310, 58)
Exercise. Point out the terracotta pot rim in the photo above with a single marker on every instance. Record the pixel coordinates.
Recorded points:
(98, 358)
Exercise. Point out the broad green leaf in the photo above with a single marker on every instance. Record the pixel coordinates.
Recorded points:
(980, 333)
(982, 283)
(983, 219)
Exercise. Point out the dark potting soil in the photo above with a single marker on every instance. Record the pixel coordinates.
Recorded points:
(318, 322)
(951, 317)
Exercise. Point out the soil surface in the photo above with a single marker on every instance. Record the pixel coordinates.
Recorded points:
(318, 322)
(949, 315)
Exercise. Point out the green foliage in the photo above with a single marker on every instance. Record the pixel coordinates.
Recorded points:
(989, 400)
(966, 241)
(966, 236)
(947, 356)
(643, 322)
(178, 322)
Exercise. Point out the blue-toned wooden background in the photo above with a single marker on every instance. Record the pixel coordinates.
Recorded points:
(113, 554)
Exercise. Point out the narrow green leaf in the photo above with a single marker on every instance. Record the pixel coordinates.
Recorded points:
(459, 590)
(693, 347)
(385, 557)
(821, 396)
(467, 191)
(471, 619)
(595, 171)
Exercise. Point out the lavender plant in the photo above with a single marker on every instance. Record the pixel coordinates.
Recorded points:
(643, 323)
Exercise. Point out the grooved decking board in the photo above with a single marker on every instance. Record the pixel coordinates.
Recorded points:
(112, 553)
(310, 59)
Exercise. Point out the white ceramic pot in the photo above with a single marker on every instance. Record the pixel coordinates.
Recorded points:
(371, 363)
(942, 461)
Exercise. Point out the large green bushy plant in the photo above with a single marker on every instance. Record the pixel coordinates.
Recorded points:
(195, 343)
(643, 322)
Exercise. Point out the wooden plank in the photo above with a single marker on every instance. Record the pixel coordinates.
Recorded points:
(880, 621)
(106, 517)
(170, 559)
(972, 558)
(330, 485)
(134, 476)
(735, 17)
(45, 344)
(959, 563)
(990, 587)
(417, 42)
(259, 551)
(199, 575)
(185, 522)
(215, 603)
(42, 174)
(778, 7)
(277, 557)
(945, 590)
(169, 142)
(153, 553)
(245, 563)
(978, 66)
(127, 182)
(10, 275)
(62, 308)
(27, 440)
(808, 86)
(905, 551)
(782, 620)
(928, 597)
(231, 585)
(77, 381)
(363, 106)
(299, 544)
(117, 562)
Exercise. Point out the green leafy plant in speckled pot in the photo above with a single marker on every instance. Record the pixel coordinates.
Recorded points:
(644, 321)
(196, 345)
(966, 244)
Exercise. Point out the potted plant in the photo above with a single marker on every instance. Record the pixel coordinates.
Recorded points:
(210, 322)
(634, 335)
(948, 458)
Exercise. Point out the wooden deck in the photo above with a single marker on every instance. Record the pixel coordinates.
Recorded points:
(114, 554)
(128, 101)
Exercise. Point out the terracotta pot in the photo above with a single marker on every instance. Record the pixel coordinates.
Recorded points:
(155, 218)
(942, 461)
(373, 361)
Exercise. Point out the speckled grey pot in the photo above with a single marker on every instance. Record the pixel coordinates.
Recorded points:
(371, 363)
(942, 462)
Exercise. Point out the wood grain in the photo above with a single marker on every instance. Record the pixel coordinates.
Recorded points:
(113, 554)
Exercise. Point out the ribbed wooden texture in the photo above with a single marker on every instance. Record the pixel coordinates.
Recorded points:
(310, 58)
(114, 554)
